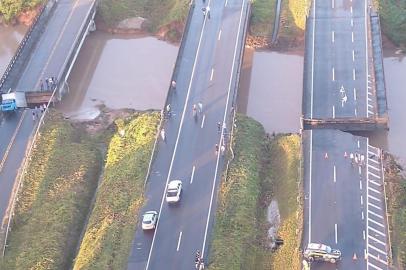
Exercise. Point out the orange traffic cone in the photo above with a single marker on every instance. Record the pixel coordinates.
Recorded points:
(345, 154)
(354, 257)
(326, 156)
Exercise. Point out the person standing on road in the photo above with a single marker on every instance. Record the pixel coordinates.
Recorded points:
(217, 148)
(218, 127)
(208, 12)
(163, 136)
(33, 115)
(168, 110)
(223, 149)
(42, 85)
(173, 84)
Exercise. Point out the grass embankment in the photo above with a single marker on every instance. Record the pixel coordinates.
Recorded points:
(54, 200)
(9, 9)
(263, 17)
(261, 170)
(396, 192)
(107, 241)
(393, 19)
(158, 12)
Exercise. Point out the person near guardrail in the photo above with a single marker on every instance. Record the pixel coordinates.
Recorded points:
(42, 85)
(47, 83)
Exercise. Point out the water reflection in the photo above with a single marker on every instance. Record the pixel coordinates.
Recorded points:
(275, 91)
(10, 37)
(119, 72)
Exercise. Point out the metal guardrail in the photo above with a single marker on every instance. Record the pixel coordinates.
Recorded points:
(173, 78)
(26, 45)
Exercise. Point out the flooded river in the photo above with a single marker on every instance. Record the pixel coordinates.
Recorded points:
(10, 38)
(275, 87)
(119, 71)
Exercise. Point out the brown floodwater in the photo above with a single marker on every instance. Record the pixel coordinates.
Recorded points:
(271, 92)
(119, 71)
(10, 37)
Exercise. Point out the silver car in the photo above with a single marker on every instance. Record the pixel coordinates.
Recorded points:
(174, 191)
(321, 252)
(149, 220)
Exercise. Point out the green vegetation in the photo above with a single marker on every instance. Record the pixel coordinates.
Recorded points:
(293, 19)
(158, 12)
(396, 192)
(110, 230)
(11, 8)
(262, 170)
(393, 18)
(263, 17)
(54, 200)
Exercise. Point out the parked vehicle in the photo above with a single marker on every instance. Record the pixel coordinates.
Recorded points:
(321, 252)
(12, 101)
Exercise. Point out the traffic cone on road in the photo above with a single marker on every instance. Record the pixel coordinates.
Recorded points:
(354, 257)
(326, 156)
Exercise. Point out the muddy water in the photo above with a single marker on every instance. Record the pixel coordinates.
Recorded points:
(10, 38)
(395, 77)
(119, 72)
(274, 97)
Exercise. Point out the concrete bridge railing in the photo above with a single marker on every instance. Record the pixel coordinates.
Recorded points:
(23, 53)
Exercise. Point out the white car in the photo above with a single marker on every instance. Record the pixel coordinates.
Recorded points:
(174, 191)
(149, 220)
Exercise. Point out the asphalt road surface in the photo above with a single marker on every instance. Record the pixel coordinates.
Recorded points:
(337, 38)
(47, 60)
(344, 199)
(207, 75)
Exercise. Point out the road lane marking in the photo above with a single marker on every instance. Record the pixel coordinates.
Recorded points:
(373, 160)
(352, 22)
(219, 37)
(362, 202)
(375, 214)
(375, 183)
(12, 140)
(332, 36)
(353, 74)
(351, 9)
(212, 73)
(374, 190)
(332, 3)
(377, 240)
(222, 130)
(360, 184)
(366, 45)
(359, 170)
(335, 229)
(333, 75)
(352, 37)
(334, 173)
(193, 174)
(363, 234)
(377, 223)
(377, 176)
(376, 231)
(374, 266)
(358, 144)
(204, 117)
(377, 259)
(374, 198)
(362, 215)
(353, 55)
(379, 250)
(334, 112)
(225, 4)
(178, 136)
(375, 168)
(373, 205)
(355, 111)
(355, 94)
(180, 238)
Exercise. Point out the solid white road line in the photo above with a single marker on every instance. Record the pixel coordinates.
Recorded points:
(375, 214)
(335, 229)
(222, 131)
(204, 117)
(219, 37)
(379, 250)
(353, 55)
(193, 174)
(334, 173)
(377, 240)
(212, 73)
(178, 136)
(334, 111)
(333, 74)
(376, 231)
(332, 36)
(377, 223)
(180, 238)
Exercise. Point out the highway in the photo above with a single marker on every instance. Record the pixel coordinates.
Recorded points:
(344, 199)
(47, 59)
(207, 74)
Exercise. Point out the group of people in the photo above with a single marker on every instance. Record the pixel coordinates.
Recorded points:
(50, 84)
(38, 111)
(357, 158)
(199, 263)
